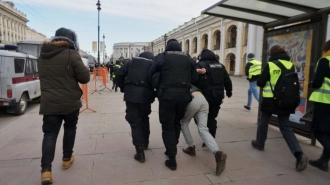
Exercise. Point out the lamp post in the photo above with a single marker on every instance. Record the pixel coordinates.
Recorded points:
(152, 47)
(165, 38)
(103, 49)
(98, 4)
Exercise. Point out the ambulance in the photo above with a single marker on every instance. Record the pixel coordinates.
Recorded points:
(19, 79)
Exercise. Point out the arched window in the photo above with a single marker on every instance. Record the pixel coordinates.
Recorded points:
(217, 40)
(195, 44)
(232, 36)
(205, 41)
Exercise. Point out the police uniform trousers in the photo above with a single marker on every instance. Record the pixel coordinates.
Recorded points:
(214, 107)
(137, 115)
(171, 110)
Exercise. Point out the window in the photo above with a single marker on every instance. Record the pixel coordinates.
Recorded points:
(29, 66)
(35, 66)
(19, 65)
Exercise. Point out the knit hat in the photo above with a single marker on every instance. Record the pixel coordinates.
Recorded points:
(173, 45)
(250, 55)
(67, 35)
(207, 55)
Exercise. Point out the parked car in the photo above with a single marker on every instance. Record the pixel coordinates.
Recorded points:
(19, 80)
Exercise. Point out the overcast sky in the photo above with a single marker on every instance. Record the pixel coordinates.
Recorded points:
(120, 20)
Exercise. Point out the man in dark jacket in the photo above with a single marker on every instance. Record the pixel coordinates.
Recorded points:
(132, 78)
(60, 68)
(217, 81)
(252, 71)
(268, 79)
(177, 72)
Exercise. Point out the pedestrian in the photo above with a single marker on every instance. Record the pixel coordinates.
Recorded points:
(177, 72)
(60, 68)
(198, 109)
(267, 80)
(198, 58)
(114, 80)
(218, 81)
(321, 99)
(217, 58)
(132, 78)
(252, 71)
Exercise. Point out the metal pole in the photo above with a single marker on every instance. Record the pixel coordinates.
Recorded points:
(98, 33)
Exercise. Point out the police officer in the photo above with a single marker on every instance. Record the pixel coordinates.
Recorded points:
(252, 71)
(213, 91)
(176, 74)
(138, 94)
(321, 116)
(114, 80)
(269, 107)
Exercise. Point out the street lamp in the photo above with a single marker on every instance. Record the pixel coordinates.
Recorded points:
(103, 49)
(98, 4)
(165, 38)
(152, 47)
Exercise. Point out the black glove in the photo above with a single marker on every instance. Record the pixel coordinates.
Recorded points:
(229, 94)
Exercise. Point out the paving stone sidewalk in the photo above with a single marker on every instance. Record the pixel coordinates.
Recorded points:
(104, 151)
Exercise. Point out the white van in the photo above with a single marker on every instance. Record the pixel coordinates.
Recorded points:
(19, 80)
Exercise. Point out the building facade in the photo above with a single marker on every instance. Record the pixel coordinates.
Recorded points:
(231, 40)
(128, 50)
(13, 25)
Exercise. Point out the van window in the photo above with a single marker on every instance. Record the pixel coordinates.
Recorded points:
(35, 66)
(29, 67)
(19, 65)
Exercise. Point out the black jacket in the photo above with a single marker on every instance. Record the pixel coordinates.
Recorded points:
(207, 56)
(133, 93)
(268, 104)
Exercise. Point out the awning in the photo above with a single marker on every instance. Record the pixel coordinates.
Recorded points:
(269, 13)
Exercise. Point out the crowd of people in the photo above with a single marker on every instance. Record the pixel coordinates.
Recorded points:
(185, 90)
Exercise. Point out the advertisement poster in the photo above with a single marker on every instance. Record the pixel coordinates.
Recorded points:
(298, 46)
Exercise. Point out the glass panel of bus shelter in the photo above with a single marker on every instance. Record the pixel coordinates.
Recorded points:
(303, 45)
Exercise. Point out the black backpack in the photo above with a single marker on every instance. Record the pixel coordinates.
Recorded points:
(286, 91)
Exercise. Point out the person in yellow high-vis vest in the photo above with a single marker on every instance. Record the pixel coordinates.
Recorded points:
(269, 76)
(321, 99)
(252, 71)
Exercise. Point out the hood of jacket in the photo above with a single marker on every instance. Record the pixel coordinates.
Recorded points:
(207, 55)
(280, 55)
(173, 45)
(147, 55)
(50, 49)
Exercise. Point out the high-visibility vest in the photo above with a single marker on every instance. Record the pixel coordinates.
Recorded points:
(322, 95)
(255, 68)
(114, 73)
(275, 73)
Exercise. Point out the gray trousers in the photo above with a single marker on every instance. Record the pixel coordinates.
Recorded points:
(283, 120)
(198, 108)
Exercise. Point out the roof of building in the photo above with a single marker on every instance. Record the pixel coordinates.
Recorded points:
(269, 13)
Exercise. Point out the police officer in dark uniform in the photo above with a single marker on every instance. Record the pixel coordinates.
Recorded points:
(132, 78)
(217, 80)
(176, 72)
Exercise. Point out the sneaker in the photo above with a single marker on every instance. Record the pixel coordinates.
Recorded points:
(247, 107)
(190, 150)
(220, 159)
(67, 164)
(256, 146)
(46, 177)
(301, 162)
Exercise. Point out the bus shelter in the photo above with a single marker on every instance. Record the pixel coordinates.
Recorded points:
(299, 26)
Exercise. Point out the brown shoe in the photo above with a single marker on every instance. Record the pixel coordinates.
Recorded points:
(220, 159)
(67, 164)
(190, 150)
(46, 178)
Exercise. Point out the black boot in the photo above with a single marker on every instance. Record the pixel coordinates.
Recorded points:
(321, 163)
(145, 145)
(139, 156)
(171, 163)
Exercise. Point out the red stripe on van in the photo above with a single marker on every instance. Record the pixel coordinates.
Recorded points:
(18, 80)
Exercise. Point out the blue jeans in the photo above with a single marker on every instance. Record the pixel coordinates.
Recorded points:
(253, 89)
